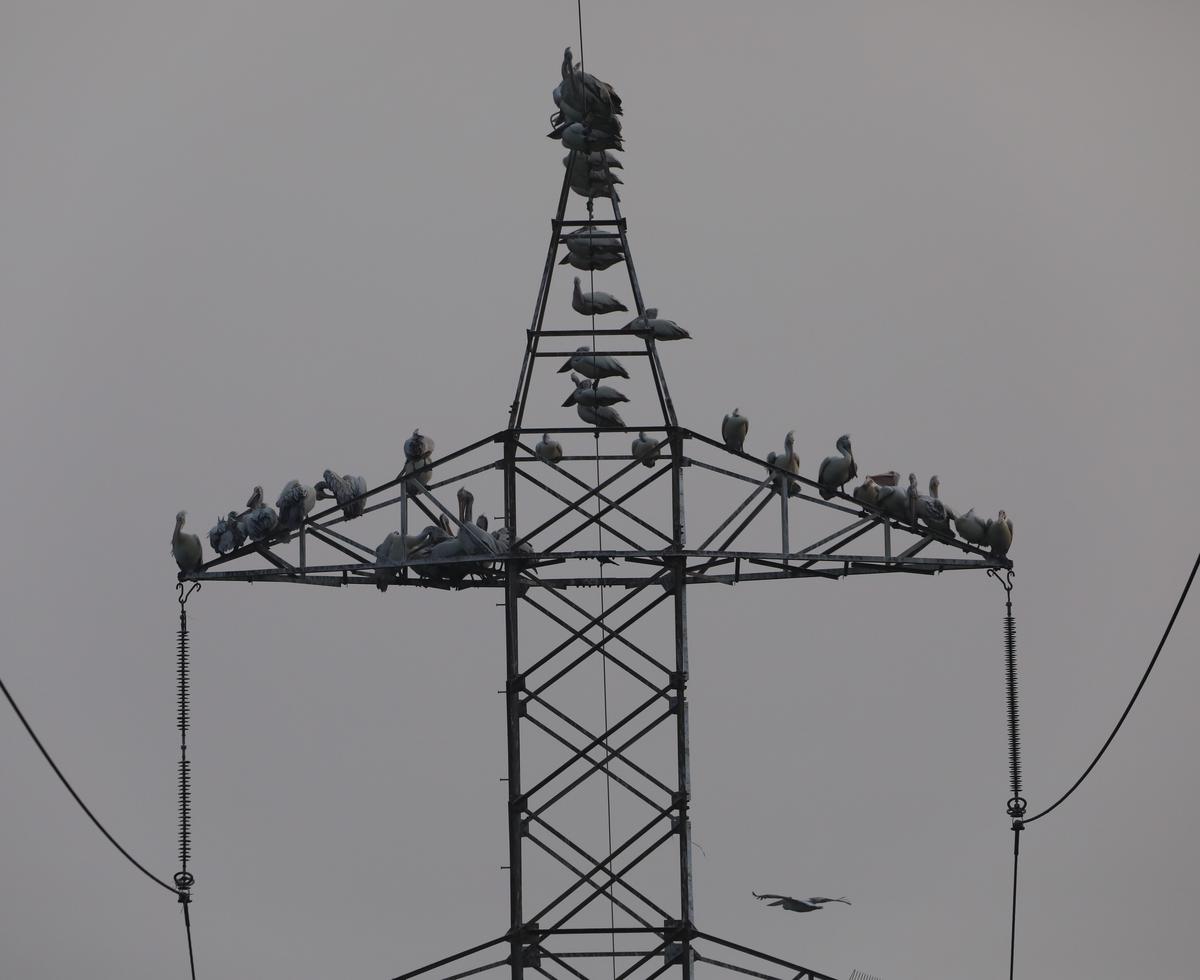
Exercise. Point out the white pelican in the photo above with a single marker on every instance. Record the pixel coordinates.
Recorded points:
(1000, 534)
(645, 449)
(189, 555)
(658, 328)
(787, 460)
(227, 534)
(836, 471)
(594, 366)
(604, 416)
(734, 429)
(972, 529)
(588, 261)
(548, 450)
(295, 501)
(867, 492)
(586, 92)
(932, 511)
(417, 447)
(586, 394)
(595, 303)
(814, 904)
(346, 490)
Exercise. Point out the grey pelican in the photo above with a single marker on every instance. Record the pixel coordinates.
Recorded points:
(899, 502)
(604, 416)
(417, 446)
(658, 328)
(932, 511)
(227, 534)
(1000, 534)
(548, 450)
(595, 303)
(587, 261)
(259, 520)
(586, 394)
(734, 429)
(346, 490)
(867, 492)
(645, 449)
(189, 555)
(814, 904)
(586, 92)
(971, 528)
(836, 471)
(581, 136)
(397, 548)
(295, 501)
(594, 366)
(787, 460)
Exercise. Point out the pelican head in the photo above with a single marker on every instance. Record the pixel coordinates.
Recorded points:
(182, 516)
(934, 483)
(843, 444)
(256, 499)
(466, 502)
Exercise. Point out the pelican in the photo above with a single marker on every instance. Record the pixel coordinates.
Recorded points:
(397, 548)
(932, 511)
(296, 499)
(548, 450)
(586, 185)
(594, 366)
(600, 160)
(588, 261)
(227, 534)
(734, 429)
(604, 416)
(867, 492)
(418, 447)
(900, 503)
(596, 303)
(889, 479)
(583, 170)
(346, 490)
(787, 460)
(1000, 534)
(260, 520)
(581, 136)
(645, 449)
(798, 904)
(586, 394)
(189, 555)
(587, 92)
(658, 328)
(836, 471)
(971, 528)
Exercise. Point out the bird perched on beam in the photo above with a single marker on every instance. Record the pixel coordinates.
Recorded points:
(798, 904)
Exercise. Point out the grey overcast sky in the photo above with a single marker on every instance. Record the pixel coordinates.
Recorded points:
(244, 242)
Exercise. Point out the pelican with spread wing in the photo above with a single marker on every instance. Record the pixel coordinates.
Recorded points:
(798, 904)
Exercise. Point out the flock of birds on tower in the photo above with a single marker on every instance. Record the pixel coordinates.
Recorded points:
(587, 121)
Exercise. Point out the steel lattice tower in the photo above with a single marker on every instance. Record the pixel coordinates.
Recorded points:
(628, 897)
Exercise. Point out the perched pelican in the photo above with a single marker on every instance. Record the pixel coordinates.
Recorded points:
(600, 160)
(586, 394)
(836, 471)
(586, 92)
(346, 490)
(867, 492)
(588, 261)
(594, 366)
(596, 303)
(734, 429)
(658, 328)
(396, 548)
(604, 416)
(1000, 534)
(260, 520)
(971, 528)
(933, 512)
(898, 502)
(586, 186)
(189, 555)
(889, 479)
(548, 450)
(798, 904)
(581, 136)
(296, 499)
(787, 460)
(418, 447)
(645, 449)
(227, 534)
(588, 238)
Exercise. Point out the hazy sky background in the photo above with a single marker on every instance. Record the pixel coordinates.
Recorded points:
(241, 243)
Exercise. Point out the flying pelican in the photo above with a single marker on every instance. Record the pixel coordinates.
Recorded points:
(595, 303)
(594, 366)
(658, 328)
(189, 555)
(346, 490)
(645, 449)
(787, 460)
(548, 450)
(836, 471)
(295, 501)
(585, 394)
(227, 534)
(972, 529)
(1000, 534)
(814, 904)
(734, 429)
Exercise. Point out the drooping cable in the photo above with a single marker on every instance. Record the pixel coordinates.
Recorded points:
(83, 806)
